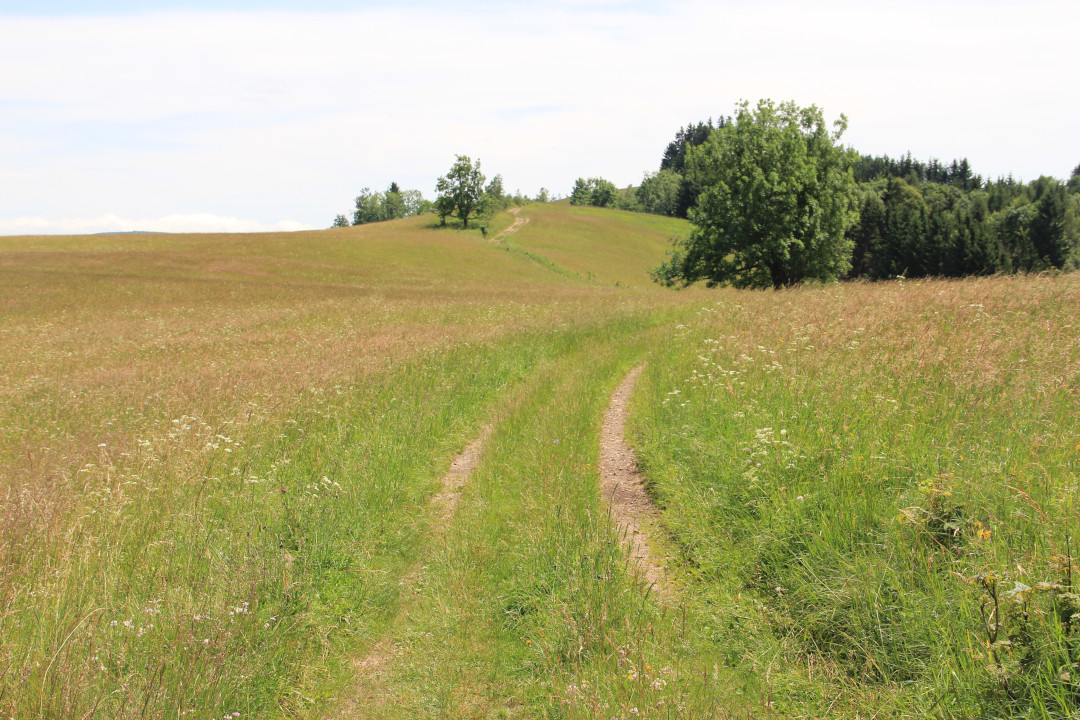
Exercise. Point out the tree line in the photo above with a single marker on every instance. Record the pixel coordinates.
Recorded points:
(775, 199)
(461, 194)
(957, 225)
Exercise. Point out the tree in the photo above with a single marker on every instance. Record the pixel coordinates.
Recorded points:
(543, 196)
(582, 193)
(1048, 225)
(461, 191)
(368, 207)
(674, 159)
(628, 200)
(693, 134)
(902, 251)
(495, 195)
(604, 192)
(394, 206)
(659, 192)
(1013, 228)
(594, 191)
(340, 221)
(777, 194)
(868, 233)
(415, 204)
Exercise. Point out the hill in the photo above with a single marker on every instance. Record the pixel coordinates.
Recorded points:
(356, 472)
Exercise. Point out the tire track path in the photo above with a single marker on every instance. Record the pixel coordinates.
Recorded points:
(519, 222)
(623, 488)
(442, 506)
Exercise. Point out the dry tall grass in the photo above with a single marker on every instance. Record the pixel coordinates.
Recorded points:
(858, 471)
(150, 384)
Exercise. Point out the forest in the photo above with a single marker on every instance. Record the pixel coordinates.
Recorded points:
(909, 218)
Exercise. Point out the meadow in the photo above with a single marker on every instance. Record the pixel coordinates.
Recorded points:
(218, 456)
(875, 490)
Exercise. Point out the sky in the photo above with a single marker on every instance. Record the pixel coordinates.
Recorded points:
(253, 115)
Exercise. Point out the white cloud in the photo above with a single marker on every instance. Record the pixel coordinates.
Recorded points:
(272, 114)
(194, 223)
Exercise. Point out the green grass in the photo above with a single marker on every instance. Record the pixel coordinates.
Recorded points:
(528, 607)
(218, 455)
(605, 246)
(853, 472)
(218, 450)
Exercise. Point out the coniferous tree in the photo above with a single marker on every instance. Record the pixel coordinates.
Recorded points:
(1013, 228)
(866, 234)
(901, 251)
(982, 249)
(1048, 224)
(674, 159)
(1074, 180)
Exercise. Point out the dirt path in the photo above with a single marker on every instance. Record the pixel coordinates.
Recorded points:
(518, 223)
(623, 487)
(442, 505)
(454, 480)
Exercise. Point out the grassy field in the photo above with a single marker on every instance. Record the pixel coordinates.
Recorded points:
(218, 455)
(875, 490)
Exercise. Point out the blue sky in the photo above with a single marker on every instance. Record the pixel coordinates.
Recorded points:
(250, 115)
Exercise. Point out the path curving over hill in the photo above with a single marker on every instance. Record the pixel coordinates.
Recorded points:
(519, 222)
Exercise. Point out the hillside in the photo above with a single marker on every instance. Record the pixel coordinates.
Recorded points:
(356, 473)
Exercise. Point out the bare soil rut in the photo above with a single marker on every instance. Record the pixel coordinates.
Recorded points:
(623, 488)
(518, 223)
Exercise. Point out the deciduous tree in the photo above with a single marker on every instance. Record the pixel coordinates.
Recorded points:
(368, 207)
(495, 195)
(659, 192)
(595, 191)
(777, 195)
(461, 191)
